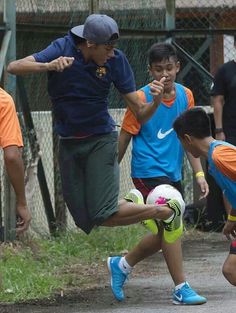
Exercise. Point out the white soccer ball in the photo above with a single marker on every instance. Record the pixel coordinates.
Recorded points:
(167, 192)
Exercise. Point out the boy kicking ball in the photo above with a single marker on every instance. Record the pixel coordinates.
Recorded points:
(157, 159)
(172, 228)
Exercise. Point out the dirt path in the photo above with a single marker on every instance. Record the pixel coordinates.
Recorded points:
(149, 288)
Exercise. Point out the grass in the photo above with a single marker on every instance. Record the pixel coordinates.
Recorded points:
(39, 268)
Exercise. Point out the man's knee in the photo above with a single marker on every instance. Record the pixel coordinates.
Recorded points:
(112, 221)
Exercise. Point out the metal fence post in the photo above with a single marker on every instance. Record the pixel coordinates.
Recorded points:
(10, 21)
(170, 16)
(93, 6)
(10, 86)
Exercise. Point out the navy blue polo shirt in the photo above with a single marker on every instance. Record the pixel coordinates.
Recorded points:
(79, 94)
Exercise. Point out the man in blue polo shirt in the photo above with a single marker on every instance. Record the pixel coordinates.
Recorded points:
(81, 68)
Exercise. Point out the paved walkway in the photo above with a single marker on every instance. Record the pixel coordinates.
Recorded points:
(203, 262)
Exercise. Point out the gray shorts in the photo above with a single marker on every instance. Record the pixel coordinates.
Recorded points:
(90, 178)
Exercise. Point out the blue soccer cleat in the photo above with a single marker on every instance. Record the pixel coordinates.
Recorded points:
(186, 295)
(118, 278)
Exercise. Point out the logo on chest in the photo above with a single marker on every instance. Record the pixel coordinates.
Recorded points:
(101, 71)
(161, 134)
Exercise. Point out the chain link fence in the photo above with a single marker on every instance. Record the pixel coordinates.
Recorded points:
(203, 35)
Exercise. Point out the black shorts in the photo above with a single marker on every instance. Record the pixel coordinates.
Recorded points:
(90, 178)
(230, 139)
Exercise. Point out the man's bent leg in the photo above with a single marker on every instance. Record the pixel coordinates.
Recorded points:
(73, 183)
(132, 213)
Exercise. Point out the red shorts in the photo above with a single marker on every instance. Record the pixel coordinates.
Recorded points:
(233, 247)
(145, 185)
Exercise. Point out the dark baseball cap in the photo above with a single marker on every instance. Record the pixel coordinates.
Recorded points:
(98, 28)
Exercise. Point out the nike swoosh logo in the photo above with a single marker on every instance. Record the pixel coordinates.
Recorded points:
(179, 298)
(161, 135)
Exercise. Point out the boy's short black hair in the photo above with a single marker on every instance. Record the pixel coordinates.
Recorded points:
(194, 122)
(77, 40)
(161, 51)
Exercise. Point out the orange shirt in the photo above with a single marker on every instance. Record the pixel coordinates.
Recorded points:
(10, 132)
(132, 126)
(225, 160)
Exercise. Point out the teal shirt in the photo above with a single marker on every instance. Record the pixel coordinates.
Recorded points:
(227, 185)
(156, 149)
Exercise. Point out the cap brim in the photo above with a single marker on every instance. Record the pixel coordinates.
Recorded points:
(78, 31)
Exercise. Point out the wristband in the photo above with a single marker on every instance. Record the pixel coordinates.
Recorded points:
(200, 174)
(218, 130)
(231, 218)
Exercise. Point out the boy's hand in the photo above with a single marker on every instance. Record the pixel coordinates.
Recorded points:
(220, 136)
(157, 89)
(24, 218)
(60, 64)
(203, 185)
(229, 230)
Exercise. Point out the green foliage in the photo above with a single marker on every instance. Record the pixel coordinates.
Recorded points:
(24, 277)
(38, 268)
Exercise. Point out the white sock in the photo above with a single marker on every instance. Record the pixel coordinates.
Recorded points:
(124, 266)
(170, 219)
(180, 286)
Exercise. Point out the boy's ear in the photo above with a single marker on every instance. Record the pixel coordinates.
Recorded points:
(188, 138)
(177, 66)
(149, 70)
(90, 44)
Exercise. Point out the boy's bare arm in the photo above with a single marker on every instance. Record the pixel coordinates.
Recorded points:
(143, 111)
(29, 65)
(15, 170)
(201, 181)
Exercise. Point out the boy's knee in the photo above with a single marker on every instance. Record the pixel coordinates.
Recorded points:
(150, 246)
(229, 273)
(11, 154)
